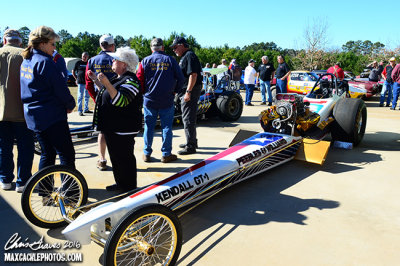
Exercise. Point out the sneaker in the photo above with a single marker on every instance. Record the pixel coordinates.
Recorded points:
(392, 108)
(187, 150)
(387, 105)
(263, 103)
(88, 112)
(101, 165)
(381, 105)
(269, 104)
(80, 114)
(169, 158)
(19, 189)
(249, 104)
(5, 186)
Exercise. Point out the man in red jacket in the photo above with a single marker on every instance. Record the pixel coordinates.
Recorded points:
(396, 85)
(337, 71)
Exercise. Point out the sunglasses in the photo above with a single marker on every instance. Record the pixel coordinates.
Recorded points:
(176, 47)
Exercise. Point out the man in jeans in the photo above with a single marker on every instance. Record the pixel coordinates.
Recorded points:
(282, 73)
(250, 76)
(79, 74)
(161, 78)
(12, 122)
(265, 73)
(396, 85)
(388, 86)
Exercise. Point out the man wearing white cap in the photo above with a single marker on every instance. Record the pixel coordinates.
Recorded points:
(388, 85)
(101, 63)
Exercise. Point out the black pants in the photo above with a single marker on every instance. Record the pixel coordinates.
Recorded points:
(56, 140)
(120, 148)
(189, 116)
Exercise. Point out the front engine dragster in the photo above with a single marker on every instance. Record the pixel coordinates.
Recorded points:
(142, 227)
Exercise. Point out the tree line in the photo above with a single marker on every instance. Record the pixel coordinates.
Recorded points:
(353, 55)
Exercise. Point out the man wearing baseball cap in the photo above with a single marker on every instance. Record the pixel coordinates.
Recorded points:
(192, 71)
(161, 77)
(388, 85)
(12, 121)
(101, 63)
(250, 76)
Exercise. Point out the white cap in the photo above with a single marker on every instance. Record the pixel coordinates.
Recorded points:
(107, 38)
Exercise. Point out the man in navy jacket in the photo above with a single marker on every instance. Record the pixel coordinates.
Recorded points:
(161, 77)
(101, 63)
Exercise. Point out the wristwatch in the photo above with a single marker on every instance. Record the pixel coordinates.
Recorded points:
(188, 91)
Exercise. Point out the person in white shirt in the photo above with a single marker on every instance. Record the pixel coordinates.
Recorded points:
(222, 65)
(250, 76)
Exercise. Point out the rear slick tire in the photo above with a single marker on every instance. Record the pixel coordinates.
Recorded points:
(230, 106)
(350, 120)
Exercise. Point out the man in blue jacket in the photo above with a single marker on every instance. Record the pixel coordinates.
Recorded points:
(161, 78)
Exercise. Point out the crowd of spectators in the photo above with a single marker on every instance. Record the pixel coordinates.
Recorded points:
(35, 100)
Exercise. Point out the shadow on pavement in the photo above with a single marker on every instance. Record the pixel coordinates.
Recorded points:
(256, 201)
(24, 231)
(375, 141)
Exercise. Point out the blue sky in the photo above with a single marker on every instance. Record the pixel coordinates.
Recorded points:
(214, 23)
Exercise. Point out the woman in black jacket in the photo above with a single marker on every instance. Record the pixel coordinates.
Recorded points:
(118, 115)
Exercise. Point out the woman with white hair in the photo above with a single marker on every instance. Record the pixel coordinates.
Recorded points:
(118, 115)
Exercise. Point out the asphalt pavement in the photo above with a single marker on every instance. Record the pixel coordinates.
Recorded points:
(345, 212)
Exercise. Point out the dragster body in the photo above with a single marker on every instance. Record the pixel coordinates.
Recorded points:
(252, 156)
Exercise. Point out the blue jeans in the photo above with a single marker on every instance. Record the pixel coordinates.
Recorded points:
(8, 132)
(150, 119)
(387, 87)
(82, 92)
(249, 93)
(396, 91)
(267, 85)
(56, 140)
(281, 86)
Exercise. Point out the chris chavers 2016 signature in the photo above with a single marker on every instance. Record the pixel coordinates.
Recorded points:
(14, 242)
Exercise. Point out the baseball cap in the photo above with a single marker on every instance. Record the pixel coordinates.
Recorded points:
(107, 38)
(179, 40)
(156, 42)
(251, 61)
(11, 34)
(392, 59)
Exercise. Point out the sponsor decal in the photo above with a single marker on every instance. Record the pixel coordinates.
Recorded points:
(185, 186)
(250, 157)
